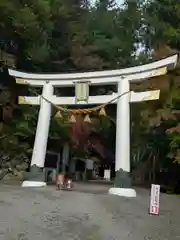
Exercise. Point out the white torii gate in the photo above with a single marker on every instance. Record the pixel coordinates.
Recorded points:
(122, 78)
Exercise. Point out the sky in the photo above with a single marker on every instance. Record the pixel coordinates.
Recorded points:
(118, 1)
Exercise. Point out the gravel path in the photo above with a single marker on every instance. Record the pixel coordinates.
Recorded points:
(87, 213)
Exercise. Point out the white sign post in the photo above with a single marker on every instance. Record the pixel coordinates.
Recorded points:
(107, 174)
(154, 201)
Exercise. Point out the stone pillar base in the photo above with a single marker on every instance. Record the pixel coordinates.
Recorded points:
(122, 179)
(123, 192)
(122, 185)
(35, 178)
(33, 184)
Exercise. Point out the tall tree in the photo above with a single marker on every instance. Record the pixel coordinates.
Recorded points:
(64, 36)
(161, 37)
(162, 23)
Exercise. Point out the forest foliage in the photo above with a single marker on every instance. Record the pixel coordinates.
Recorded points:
(74, 36)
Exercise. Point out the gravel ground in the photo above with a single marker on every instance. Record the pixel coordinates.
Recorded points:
(86, 213)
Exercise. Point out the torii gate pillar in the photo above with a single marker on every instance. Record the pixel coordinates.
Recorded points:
(36, 177)
(122, 184)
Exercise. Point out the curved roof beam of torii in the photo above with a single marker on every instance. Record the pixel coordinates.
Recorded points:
(142, 71)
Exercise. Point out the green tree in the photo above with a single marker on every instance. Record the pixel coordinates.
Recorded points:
(67, 36)
(161, 23)
(161, 34)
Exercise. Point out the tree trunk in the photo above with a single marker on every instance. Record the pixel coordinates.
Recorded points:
(154, 169)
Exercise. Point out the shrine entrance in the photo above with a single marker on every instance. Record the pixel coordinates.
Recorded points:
(81, 81)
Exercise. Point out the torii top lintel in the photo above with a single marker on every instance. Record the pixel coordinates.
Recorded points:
(99, 77)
